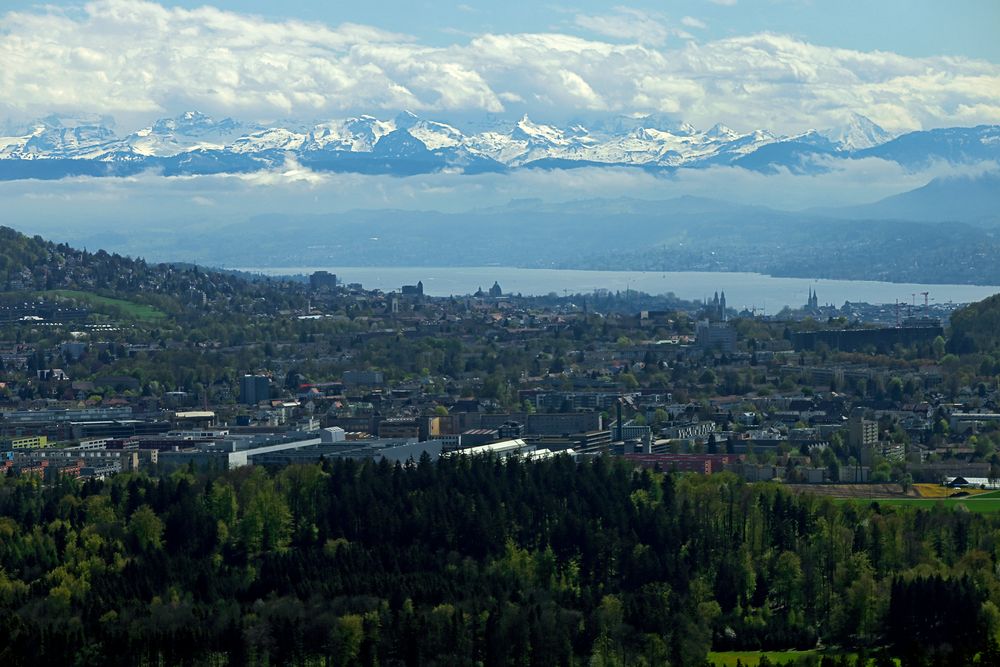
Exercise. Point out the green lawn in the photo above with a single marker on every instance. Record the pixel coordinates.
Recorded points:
(751, 658)
(138, 311)
(982, 504)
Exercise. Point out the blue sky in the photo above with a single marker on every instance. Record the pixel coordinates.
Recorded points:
(783, 65)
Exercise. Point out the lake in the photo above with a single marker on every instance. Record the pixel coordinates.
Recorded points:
(743, 290)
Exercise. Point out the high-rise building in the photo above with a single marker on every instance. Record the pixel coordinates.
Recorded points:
(322, 280)
(254, 389)
(861, 432)
(717, 335)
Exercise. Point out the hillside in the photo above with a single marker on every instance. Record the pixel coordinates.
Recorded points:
(975, 200)
(681, 234)
(124, 286)
(976, 328)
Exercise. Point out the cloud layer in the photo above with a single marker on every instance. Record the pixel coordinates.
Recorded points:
(117, 203)
(132, 58)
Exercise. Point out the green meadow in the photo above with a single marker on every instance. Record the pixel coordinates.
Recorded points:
(129, 309)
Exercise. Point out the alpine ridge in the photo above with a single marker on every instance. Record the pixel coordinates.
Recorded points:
(194, 143)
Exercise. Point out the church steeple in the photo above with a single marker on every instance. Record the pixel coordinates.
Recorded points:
(813, 302)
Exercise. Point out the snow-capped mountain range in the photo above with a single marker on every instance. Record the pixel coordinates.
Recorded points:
(194, 143)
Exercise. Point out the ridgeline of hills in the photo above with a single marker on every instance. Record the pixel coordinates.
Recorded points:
(193, 143)
(976, 328)
(150, 291)
(877, 242)
(123, 285)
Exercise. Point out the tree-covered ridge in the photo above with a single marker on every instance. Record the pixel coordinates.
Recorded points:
(475, 561)
(32, 264)
(976, 327)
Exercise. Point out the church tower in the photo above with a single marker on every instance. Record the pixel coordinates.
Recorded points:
(813, 302)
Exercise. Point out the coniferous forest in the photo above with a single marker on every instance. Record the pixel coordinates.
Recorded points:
(477, 561)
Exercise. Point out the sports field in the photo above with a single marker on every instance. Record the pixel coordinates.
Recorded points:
(130, 309)
(892, 495)
(752, 658)
(981, 503)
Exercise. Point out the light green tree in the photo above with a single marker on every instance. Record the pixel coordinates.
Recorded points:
(146, 528)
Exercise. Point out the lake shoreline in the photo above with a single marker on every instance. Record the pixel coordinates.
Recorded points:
(742, 289)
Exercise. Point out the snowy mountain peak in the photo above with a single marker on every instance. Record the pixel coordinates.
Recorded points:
(526, 130)
(359, 134)
(74, 121)
(626, 123)
(721, 132)
(271, 139)
(814, 138)
(57, 135)
(859, 132)
(194, 123)
(191, 130)
(194, 142)
(406, 119)
(435, 135)
(400, 144)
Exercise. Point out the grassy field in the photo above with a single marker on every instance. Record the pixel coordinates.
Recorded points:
(938, 491)
(984, 503)
(750, 658)
(844, 491)
(137, 311)
(891, 495)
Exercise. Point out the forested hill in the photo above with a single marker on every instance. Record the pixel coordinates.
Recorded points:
(478, 561)
(35, 265)
(976, 327)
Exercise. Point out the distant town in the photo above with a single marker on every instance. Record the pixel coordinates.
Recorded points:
(91, 386)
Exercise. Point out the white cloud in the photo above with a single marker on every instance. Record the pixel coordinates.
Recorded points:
(138, 60)
(692, 22)
(289, 173)
(626, 24)
(726, 3)
(291, 188)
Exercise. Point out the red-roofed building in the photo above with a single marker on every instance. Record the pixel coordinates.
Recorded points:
(705, 464)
